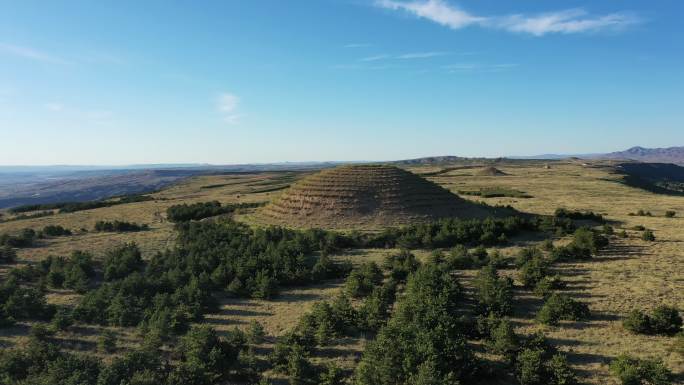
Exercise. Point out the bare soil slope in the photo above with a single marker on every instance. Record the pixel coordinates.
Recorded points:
(491, 171)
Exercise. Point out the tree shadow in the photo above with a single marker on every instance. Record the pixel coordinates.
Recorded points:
(604, 316)
(335, 351)
(85, 330)
(573, 271)
(77, 344)
(527, 305)
(223, 321)
(242, 313)
(297, 297)
(621, 251)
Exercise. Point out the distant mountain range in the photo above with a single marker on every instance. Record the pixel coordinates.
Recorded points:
(48, 184)
(647, 155)
(650, 155)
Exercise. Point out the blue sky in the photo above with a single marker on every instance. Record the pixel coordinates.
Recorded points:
(123, 82)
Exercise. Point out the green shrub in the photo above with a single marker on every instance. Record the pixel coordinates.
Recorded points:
(422, 341)
(200, 210)
(559, 371)
(502, 340)
(546, 286)
(106, 342)
(122, 261)
(666, 320)
(62, 319)
(533, 271)
(536, 364)
(332, 375)
(670, 214)
(55, 231)
(401, 265)
(7, 254)
(362, 280)
(561, 307)
(527, 254)
(647, 235)
(637, 322)
(255, 333)
(137, 367)
(264, 286)
(634, 371)
(299, 368)
(119, 226)
(585, 243)
(459, 258)
(23, 303)
(608, 229)
(24, 239)
(375, 309)
(578, 215)
(494, 294)
(529, 367)
(547, 245)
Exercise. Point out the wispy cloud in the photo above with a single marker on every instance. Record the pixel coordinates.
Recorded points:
(31, 54)
(406, 56)
(375, 58)
(435, 10)
(565, 21)
(478, 67)
(228, 107)
(421, 55)
(81, 115)
(358, 45)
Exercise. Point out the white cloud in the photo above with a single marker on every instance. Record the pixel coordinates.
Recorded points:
(228, 106)
(421, 55)
(435, 10)
(30, 53)
(375, 58)
(566, 21)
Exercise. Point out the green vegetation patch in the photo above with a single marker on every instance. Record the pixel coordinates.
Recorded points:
(496, 192)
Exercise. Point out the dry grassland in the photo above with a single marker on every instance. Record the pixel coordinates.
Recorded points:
(631, 274)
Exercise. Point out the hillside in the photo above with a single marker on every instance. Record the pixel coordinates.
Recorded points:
(224, 258)
(662, 178)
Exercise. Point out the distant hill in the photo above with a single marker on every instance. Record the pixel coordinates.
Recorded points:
(650, 155)
(21, 185)
(647, 155)
(444, 159)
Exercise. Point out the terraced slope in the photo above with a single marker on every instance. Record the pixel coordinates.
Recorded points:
(491, 171)
(365, 195)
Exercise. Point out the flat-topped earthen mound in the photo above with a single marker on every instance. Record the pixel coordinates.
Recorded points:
(365, 196)
(491, 171)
